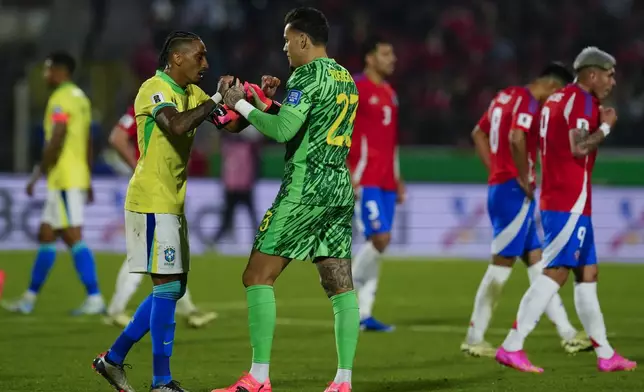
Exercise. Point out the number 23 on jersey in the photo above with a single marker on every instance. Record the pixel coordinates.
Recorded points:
(346, 101)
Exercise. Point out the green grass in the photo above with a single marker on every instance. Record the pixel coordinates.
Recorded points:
(430, 302)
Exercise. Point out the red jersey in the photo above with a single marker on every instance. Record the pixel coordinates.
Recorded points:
(512, 108)
(128, 124)
(373, 158)
(566, 179)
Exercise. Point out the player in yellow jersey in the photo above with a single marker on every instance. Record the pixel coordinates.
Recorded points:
(66, 161)
(168, 108)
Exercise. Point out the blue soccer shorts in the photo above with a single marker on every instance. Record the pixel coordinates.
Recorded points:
(512, 217)
(375, 210)
(569, 240)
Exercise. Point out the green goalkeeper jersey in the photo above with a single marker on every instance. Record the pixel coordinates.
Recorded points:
(325, 97)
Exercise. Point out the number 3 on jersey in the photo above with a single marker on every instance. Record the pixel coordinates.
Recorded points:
(345, 101)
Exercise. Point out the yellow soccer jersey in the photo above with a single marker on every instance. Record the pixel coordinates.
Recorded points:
(69, 104)
(159, 181)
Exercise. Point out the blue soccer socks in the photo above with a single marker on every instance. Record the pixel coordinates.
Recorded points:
(85, 266)
(44, 261)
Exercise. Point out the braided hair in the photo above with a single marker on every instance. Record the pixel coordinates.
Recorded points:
(174, 39)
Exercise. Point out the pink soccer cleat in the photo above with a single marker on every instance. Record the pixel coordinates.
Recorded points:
(341, 387)
(616, 363)
(247, 383)
(517, 360)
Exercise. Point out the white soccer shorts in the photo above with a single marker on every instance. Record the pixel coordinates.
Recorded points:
(157, 243)
(64, 208)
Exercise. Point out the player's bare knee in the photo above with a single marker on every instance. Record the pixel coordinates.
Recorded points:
(335, 275)
(46, 234)
(263, 269)
(503, 261)
(558, 274)
(532, 257)
(71, 236)
(380, 241)
(586, 274)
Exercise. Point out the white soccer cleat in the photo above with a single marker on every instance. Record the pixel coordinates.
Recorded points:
(198, 319)
(23, 305)
(483, 349)
(93, 304)
(581, 342)
(120, 320)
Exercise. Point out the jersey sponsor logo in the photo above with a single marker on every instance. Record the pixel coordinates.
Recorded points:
(169, 254)
(524, 120)
(158, 98)
(293, 97)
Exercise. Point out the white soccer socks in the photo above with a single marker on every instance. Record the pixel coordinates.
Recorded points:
(365, 270)
(126, 285)
(486, 298)
(533, 305)
(555, 310)
(590, 314)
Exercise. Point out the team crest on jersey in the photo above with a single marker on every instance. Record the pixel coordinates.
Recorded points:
(158, 98)
(57, 109)
(169, 253)
(577, 253)
(293, 97)
(373, 100)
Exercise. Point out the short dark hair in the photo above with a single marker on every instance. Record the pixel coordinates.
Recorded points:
(171, 43)
(558, 71)
(62, 59)
(370, 45)
(310, 21)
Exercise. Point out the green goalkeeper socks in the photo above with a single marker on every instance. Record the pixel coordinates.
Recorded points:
(261, 321)
(347, 327)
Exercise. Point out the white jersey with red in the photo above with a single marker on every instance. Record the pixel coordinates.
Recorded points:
(512, 108)
(128, 124)
(373, 158)
(566, 179)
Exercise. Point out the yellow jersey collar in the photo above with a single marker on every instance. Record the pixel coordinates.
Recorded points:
(171, 82)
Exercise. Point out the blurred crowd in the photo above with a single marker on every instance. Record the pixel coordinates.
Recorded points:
(452, 56)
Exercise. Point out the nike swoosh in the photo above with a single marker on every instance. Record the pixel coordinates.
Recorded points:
(166, 343)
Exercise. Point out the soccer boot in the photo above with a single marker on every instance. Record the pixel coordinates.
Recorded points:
(483, 349)
(581, 342)
(616, 363)
(247, 383)
(23, 305)
(341, 387)
(120, 320)
(516, 360)
(198, 318)
(373, 325)
(112, 373)
(172, 386)
(93, 304)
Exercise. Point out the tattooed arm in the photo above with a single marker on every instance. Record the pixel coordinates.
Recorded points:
(582, 143)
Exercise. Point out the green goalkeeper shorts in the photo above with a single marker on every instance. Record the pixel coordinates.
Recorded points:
(305, 232)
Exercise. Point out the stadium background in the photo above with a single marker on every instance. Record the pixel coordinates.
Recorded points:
(453, 55)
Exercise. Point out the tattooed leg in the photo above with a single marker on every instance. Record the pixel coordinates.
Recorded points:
(335, 276)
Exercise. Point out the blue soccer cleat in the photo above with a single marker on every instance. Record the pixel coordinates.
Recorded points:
(373, 325)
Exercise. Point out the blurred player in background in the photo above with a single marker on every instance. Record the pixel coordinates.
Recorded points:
(125, 141)
(507, 138)
(572, 126)
(67, 161)
(373, 161)
(312, 213)
(168, 108)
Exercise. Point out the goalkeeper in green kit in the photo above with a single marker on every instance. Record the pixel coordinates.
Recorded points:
(311, 216)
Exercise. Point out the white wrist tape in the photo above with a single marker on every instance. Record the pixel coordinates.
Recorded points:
(217, 97)
(244, 108)
(605, 128)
